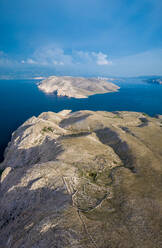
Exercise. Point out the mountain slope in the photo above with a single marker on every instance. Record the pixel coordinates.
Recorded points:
(83, 179)
(76, 87)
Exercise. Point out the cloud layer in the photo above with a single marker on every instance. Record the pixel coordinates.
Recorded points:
(53, 56)
(88, 36)
(52, 60)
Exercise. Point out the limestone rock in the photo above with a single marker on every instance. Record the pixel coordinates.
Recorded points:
(76, 87)
(83, 179)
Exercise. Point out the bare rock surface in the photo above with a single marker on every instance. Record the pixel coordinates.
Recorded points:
(83, 180)
(76, 87)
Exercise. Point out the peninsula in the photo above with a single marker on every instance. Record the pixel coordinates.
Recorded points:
(83, 180)
(77, 87)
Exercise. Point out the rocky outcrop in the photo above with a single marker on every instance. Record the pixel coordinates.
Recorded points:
(76, 87)
(154, 81)
(83, 179)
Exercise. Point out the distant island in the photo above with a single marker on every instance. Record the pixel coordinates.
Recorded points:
(154, 80)
(77, 87)
(39, 78)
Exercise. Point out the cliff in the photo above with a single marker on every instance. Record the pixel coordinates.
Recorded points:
(76, 87)
(82, 180)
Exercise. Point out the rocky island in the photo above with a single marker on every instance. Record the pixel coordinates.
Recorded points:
(154, 81)
(83, 180)
(76, 87)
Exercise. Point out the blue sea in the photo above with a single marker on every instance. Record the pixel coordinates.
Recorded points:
(21, 99)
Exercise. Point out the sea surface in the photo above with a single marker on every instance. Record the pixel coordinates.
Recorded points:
(21, 99)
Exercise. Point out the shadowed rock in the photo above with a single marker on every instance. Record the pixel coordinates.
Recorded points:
(120, 147)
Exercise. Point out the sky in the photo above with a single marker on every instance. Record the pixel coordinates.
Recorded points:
(80, 38)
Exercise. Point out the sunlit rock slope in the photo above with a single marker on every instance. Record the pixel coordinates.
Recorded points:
(83, 180)
(76, 87)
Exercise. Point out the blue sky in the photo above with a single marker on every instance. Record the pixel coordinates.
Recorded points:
(81, 37)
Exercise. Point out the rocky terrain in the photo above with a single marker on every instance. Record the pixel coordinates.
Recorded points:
(76, 87)
(154, 81)
(83, 180)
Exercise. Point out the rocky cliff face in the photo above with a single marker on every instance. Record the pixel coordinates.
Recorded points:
(76, 87)
(83, 179)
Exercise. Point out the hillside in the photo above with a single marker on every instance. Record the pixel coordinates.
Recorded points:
(76, 87)
(83, 180)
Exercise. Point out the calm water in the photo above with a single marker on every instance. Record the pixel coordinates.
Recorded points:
(20, 99)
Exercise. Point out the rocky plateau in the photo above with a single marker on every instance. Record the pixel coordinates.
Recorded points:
(83, 180)
(76, 87)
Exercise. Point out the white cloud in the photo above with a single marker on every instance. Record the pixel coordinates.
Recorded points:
(31, 61)
(53, 56)
(51, 59)
(28, 61)
(101, 58)
(82, 57)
